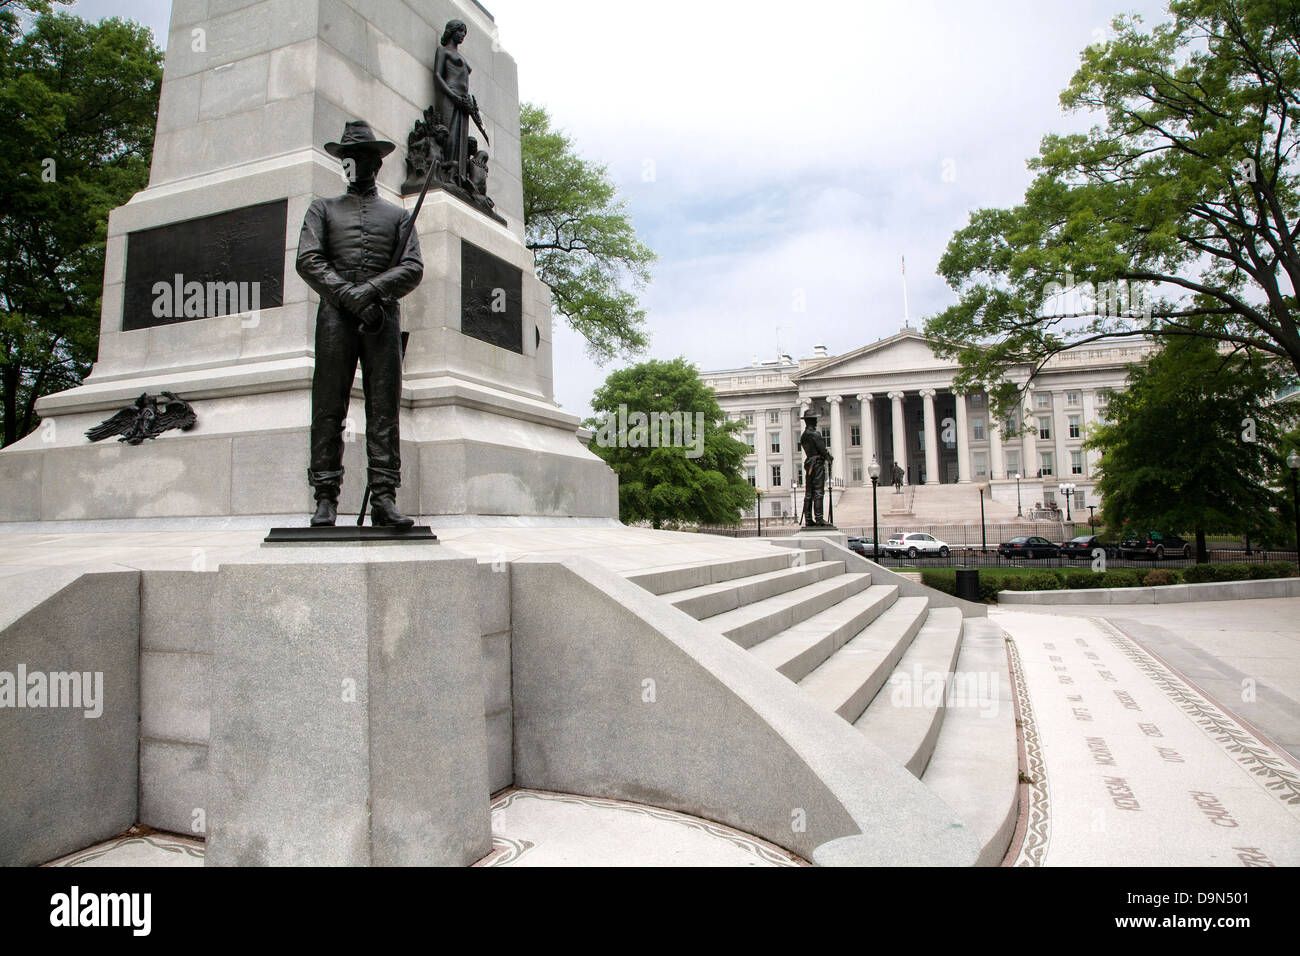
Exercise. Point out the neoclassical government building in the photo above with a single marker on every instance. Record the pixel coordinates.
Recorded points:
(894, 400)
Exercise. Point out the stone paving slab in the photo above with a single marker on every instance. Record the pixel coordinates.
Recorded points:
(1132, 766)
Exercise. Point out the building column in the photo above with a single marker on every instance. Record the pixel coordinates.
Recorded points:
(996, 467)
(963, 441)
(837, 439)
(931, 439)
(1029, 443)
(1061, 433)
(900, 437)
(868, 435)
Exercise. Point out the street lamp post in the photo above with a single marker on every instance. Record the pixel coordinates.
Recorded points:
(1091, 527)
(1293, 462)
(984, 541)
(1067, 492)
(873, 470)
(1019, 511)
(758, 512)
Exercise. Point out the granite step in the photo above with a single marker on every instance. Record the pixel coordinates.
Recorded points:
(680, 577)
(798, 650)
(710, 600)
(904, 719)
(975, 768)
(752, 623)
(854, 674)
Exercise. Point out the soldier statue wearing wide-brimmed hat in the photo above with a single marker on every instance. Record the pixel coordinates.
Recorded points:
(816, 458)
(345, 253)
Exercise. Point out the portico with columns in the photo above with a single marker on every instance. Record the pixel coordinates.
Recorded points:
(895, 401)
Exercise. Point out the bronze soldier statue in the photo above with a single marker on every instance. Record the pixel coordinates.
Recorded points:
(816, 458)
(344, 254)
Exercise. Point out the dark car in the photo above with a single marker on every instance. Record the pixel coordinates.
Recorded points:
(1084, 545)
(1029, 547)
(862, 546)
(1153, 544)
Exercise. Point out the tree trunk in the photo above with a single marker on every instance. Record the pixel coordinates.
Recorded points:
(9, 384)
(1202, 551)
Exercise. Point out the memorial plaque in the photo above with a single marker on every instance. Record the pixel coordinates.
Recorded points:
(491, 298)
(225, 264)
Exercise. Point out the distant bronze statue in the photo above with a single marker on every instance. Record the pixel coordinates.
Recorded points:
(815, 461)
(453, 104)
(348, 252)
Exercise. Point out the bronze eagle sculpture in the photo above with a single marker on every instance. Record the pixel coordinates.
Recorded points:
(149, 417)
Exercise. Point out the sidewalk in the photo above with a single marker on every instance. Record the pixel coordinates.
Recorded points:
(1130, 764)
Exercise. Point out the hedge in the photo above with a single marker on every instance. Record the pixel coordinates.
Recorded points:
(1052, 579)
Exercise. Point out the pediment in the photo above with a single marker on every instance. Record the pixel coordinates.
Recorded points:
(904, 351)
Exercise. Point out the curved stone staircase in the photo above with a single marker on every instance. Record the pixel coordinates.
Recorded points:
(929, 687)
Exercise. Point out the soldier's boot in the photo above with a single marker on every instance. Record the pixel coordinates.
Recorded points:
(326, 509)
(383, 509)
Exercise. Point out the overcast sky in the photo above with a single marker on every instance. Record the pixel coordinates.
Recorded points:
(781, 156)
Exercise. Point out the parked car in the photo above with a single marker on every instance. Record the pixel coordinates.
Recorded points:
(1084, 545)
(1029, 546)
(1156, 545)
(913, 544)
(862, 546)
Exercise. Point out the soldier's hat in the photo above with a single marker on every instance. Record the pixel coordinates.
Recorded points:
(359, 137)
(810, 416)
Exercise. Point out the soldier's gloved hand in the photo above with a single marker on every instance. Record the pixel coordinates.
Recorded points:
(357, 298)
(372, 318)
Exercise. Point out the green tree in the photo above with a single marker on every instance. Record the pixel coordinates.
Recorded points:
(80, 102)
(694, 473)
(1176, 216)
(585, 245)
(1195, 443)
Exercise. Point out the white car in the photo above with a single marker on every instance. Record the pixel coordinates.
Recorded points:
(913, 544)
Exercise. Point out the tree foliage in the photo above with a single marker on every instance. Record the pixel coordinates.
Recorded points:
(699, 479)
(1196, 443)
(1177, 215)
(585, 245)
(80, 102)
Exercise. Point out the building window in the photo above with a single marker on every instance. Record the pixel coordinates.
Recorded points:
(1044, 428)
(977, 426)
(1078, 500)
(981, 464)
(776, 509)
(977, 400)
(776, 476)
(749, 440)
(776, 442)
(826, 437)
(1076, 463)
(1047, 464)
(857, 470)
(748, 417)
(774, 417)
(1072, 398)
(855, 435)
(1013, 462)
(1076, 426)
(1049, 496)
(1043, 400)
(750, 476)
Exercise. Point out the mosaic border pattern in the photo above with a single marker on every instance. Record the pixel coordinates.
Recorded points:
(1037, 834)
(155, 840)
(766, 852)
(1269, 768)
